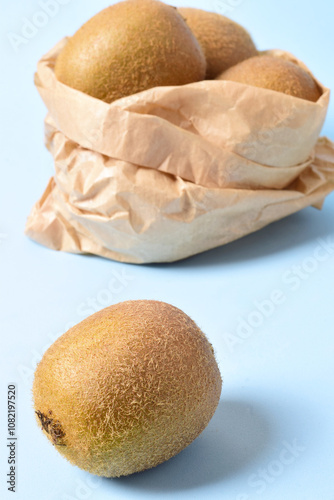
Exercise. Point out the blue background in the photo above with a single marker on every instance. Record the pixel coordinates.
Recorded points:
(272, 435)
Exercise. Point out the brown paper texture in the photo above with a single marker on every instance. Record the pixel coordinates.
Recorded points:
(174, 171)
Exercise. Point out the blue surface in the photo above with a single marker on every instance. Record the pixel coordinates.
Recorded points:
(272, 435)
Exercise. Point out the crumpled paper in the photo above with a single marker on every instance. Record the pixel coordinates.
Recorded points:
(174, 171)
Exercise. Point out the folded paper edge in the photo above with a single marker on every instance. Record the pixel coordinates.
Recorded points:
(73, 244)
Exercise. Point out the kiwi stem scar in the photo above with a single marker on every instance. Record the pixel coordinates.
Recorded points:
(52, 427)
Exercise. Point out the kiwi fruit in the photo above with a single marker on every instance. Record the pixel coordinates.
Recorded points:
(127, 388)
(129, 47)
(276, 74)
(224, 42)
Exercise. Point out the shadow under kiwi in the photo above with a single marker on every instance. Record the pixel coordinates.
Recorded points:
(236, 436)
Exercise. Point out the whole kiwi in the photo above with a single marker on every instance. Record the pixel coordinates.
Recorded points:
(224, 42)
(127, 388)
(128, 47)
(276, 74)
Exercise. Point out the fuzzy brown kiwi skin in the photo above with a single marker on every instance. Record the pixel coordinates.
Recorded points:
(225, 43)
(129, 47)
(276, 74)
(127, 388)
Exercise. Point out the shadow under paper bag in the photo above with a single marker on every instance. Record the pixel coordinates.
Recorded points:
(174, 171)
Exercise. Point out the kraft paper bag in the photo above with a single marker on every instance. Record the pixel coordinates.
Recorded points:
(173, 171)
